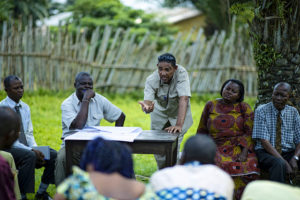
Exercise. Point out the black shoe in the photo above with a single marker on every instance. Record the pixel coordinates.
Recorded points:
(43, 196)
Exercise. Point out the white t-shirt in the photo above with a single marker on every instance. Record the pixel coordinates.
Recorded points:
(99, 108)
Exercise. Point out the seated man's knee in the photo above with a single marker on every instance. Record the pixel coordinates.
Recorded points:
(30, 155)
(53, 155)
(279, 164)
(60, 157)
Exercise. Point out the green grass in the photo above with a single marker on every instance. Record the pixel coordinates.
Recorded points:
(46, 119)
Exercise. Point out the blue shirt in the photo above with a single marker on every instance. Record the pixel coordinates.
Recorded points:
(265, 119)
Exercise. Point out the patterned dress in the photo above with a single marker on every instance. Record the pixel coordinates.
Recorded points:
(79, 186)
(230, 125)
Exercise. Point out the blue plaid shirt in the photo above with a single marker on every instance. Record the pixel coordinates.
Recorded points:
(265, 119)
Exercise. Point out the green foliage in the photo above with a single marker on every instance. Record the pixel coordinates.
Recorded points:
(219, 12)
(24, 9)
(5, 7)
(265, 56)
(216, 12)
(244, 11)
(94, 13)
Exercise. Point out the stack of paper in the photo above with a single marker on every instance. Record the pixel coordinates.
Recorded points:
(127, 134)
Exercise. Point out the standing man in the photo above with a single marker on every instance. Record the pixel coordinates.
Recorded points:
(167, 97)
(27, 158)
(277, 133)
(9, 133)
(83, 108)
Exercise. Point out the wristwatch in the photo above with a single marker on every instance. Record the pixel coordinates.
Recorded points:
(296, 158)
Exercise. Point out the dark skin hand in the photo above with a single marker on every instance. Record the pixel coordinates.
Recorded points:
(243, 155)
(280, 96)
(166, 71)
(39, 157)
(147, 106)
(183, 102)
(271, 150)
(293, 161)
(230, 95)
(80, 119)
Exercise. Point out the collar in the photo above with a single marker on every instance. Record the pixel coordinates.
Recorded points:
(11, 103)
(192, 163)
(275, 111)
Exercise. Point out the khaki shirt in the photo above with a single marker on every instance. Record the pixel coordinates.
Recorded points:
(166, 99)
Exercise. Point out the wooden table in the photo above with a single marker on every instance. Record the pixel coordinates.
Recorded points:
(148, 142)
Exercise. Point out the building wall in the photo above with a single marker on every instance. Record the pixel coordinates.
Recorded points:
(186, 25)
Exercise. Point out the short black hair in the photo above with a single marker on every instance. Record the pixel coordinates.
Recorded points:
(241, 88)
(80, 74)
(285, 84)
(200, 148)
(9, 120)
(8, 79)
(167, 57)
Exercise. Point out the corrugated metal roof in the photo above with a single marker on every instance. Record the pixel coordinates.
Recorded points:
(177, 14)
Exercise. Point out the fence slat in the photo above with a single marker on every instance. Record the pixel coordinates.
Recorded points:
(117, 62)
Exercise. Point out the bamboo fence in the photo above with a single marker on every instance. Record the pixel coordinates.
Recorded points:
(117, 62)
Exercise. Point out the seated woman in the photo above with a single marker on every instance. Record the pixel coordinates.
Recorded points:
(10, 160)
(229, 122)
(108, 174)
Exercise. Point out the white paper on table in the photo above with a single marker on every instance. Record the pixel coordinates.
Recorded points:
(126, 134)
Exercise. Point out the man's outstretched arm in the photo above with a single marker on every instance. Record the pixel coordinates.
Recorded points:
(183, 103)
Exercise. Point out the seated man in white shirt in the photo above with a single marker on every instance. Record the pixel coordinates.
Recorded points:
(196, 178)
(83, 108)
(27, 158)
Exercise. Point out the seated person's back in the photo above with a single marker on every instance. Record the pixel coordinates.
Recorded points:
(196, 178)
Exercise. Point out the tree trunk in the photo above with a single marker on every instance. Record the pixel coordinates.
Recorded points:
(275, 30)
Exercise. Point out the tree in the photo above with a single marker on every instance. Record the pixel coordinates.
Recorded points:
(24, 10)
(5, 6)
(275, 33)
(94, 13)
(218, 13)
(275, 30)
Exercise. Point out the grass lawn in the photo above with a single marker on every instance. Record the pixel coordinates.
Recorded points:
(46, 119)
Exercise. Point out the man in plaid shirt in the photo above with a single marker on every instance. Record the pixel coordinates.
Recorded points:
(278, 155)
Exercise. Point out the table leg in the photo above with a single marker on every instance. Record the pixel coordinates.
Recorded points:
(169, 155)
(174, 152)
(69, 147)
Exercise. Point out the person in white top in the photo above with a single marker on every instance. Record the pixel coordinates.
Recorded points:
(27, 158)
(83, 108)
(196, 177)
